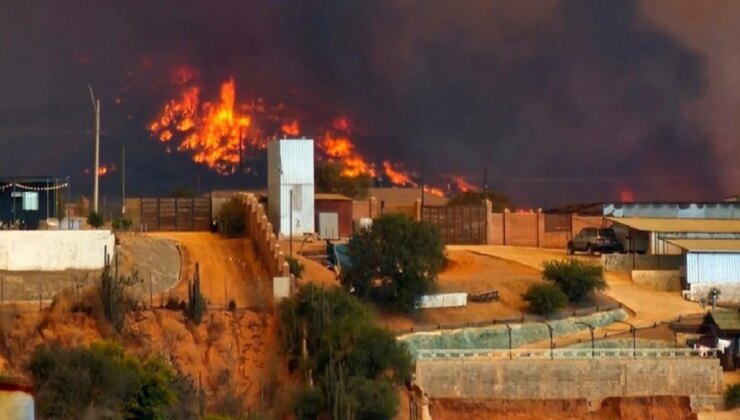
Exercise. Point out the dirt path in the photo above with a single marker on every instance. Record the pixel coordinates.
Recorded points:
(649, 306)
(228, 268)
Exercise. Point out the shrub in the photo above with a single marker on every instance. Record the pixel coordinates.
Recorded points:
(732, 396)
(101, 381)
(196, 301)
(394, 263)
(351, 358)
(95, 220)
(575, 278)
(545, 299)
(296, 268)
(232, 217)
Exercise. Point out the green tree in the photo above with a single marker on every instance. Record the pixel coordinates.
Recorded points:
(296, 268)
(95, 220)
(545, 299)
(499, 201)
(576, 278)
(732, 396)
(329, 179)
(101, 381)
(233, 218)
(395, 262)
(351, 358)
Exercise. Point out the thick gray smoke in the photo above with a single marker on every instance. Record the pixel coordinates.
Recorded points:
(562, 101)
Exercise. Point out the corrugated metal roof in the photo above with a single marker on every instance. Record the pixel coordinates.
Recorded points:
(680, 225)
(332, 197)
(726, 320)
(708, 245)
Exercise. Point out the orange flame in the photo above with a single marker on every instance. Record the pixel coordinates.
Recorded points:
(434, 191)
(103, 170)
(342, 149)
(396, 176)
(291, 129)
(463, 185)
(214, 131)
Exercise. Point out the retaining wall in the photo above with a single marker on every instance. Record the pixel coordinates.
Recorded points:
(663, 280)
(259, 229)
(625, 263)
(54, 250)
(569, 379)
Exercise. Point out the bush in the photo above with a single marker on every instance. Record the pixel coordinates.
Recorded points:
(575, 278)
(732, 396)
(296, 268)
(394, 263)
(545, 299)
(95, 220)
(351, 358)
(232, 217)
(100, 381)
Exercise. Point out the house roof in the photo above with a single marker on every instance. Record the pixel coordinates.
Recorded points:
(726, 320)
(707, 245)
(331, 197)
(679, 225)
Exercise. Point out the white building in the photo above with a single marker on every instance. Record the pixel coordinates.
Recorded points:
(290, 186)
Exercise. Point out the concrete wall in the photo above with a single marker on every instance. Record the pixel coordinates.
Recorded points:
(54, 250)
(625, 263)
(729, 293)
(569, 379)
(663, 280)
(521, 229)
(260, 231)
(528, 229)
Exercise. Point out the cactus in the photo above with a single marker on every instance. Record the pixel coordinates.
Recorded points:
(112, 293)
(196, 301)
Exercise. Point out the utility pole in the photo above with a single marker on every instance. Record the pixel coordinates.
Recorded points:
(123, 181)
(96, 179)
(422, 183)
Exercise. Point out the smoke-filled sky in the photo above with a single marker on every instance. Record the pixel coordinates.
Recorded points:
(562, 101)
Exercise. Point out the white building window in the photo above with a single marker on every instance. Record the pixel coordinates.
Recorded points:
(30, 201)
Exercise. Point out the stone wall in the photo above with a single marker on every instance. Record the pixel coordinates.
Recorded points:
(569, 379)
(54, 250)
(662, 280)
(259, 230)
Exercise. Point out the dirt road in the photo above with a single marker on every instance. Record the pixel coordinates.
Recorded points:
(228, 269)
(648, 306)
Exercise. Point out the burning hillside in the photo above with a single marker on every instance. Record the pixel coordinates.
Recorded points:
(220, 133)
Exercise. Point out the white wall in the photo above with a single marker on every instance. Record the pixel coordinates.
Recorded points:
(444, 300)
(54, 250)
(290, 172)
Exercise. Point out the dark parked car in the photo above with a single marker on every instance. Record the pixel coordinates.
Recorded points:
(592, 240)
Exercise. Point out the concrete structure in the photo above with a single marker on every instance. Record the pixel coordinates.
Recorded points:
(280, 288)
(54, 250)
(662, 280)
(290, 186)
(443, 300)
(259, 229)
(16, 401)
(593, 379)
(333, 216)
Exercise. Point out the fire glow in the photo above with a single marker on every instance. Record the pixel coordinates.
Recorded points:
(218, 133)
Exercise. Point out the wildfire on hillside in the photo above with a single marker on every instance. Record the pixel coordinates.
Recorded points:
(218, 133)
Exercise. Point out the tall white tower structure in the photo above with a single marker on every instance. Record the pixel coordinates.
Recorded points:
(290, 186)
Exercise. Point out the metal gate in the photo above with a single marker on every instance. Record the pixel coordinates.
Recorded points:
(185, 214)
(459, 225)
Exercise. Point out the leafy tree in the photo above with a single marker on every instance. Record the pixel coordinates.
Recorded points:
(101, 381)
(351, 358)
(95, 220)
(329, 179)
(545, 299)
(395, 262)
(732, 396)
(233, 218)
(499, 201)
(576, 278)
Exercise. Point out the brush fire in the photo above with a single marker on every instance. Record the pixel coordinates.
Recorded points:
(218, 133)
